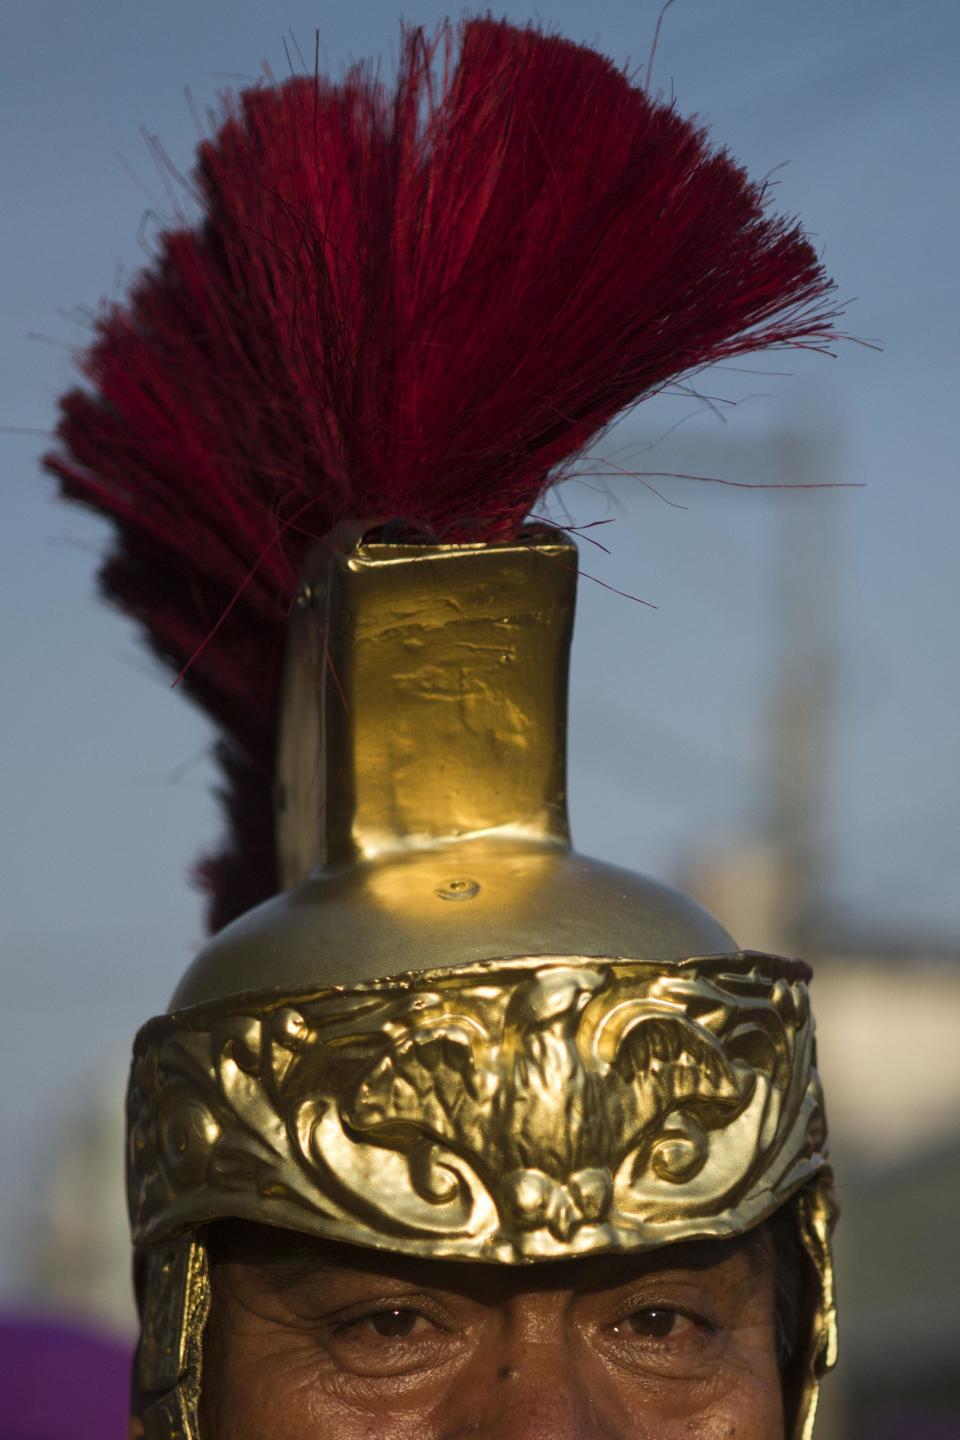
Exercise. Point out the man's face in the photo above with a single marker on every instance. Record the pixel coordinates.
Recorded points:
(309, 1341)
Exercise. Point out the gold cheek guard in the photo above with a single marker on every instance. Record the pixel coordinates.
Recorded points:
(560, 1102)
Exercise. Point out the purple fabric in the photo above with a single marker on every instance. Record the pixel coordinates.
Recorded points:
(59, 1382)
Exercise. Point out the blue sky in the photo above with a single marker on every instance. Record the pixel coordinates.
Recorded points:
(106, 788)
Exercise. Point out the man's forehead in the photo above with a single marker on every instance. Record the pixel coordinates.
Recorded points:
(284, 1259)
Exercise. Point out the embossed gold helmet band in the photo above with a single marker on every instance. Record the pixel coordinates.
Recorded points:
(516, 1110)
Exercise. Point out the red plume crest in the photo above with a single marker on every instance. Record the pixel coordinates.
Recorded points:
(418, 302)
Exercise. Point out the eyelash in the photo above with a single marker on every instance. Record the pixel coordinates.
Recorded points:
(345, 1327)
(705, 1326)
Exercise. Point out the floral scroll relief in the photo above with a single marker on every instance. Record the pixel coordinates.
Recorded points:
(517, 1109)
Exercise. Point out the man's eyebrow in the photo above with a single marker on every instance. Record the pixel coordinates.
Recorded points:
(704, 1254)
(280, 1276)
(281, 1255)
(285, 1261)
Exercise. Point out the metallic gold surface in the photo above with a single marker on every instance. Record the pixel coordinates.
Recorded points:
(424, 743)
(176, 1305)
(357, 1060)
(817, 1216)
(384, 917)
(519, 1110)
(435, 679)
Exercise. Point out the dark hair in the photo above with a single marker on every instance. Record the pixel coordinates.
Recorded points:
(790, 1265)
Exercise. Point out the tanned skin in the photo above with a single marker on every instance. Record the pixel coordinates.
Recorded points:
(314, 1341)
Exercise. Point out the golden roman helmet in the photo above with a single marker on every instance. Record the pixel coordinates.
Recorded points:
(452, 1035)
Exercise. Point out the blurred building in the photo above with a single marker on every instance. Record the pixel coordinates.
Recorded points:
(888, 1018)
(76, 1264)
(887, 1030)
(899, 1258)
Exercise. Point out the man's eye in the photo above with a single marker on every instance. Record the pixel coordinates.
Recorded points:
(389, 1340)
(393, 1324)
(656, 1324)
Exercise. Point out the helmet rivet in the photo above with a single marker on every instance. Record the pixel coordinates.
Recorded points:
(459, 889)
